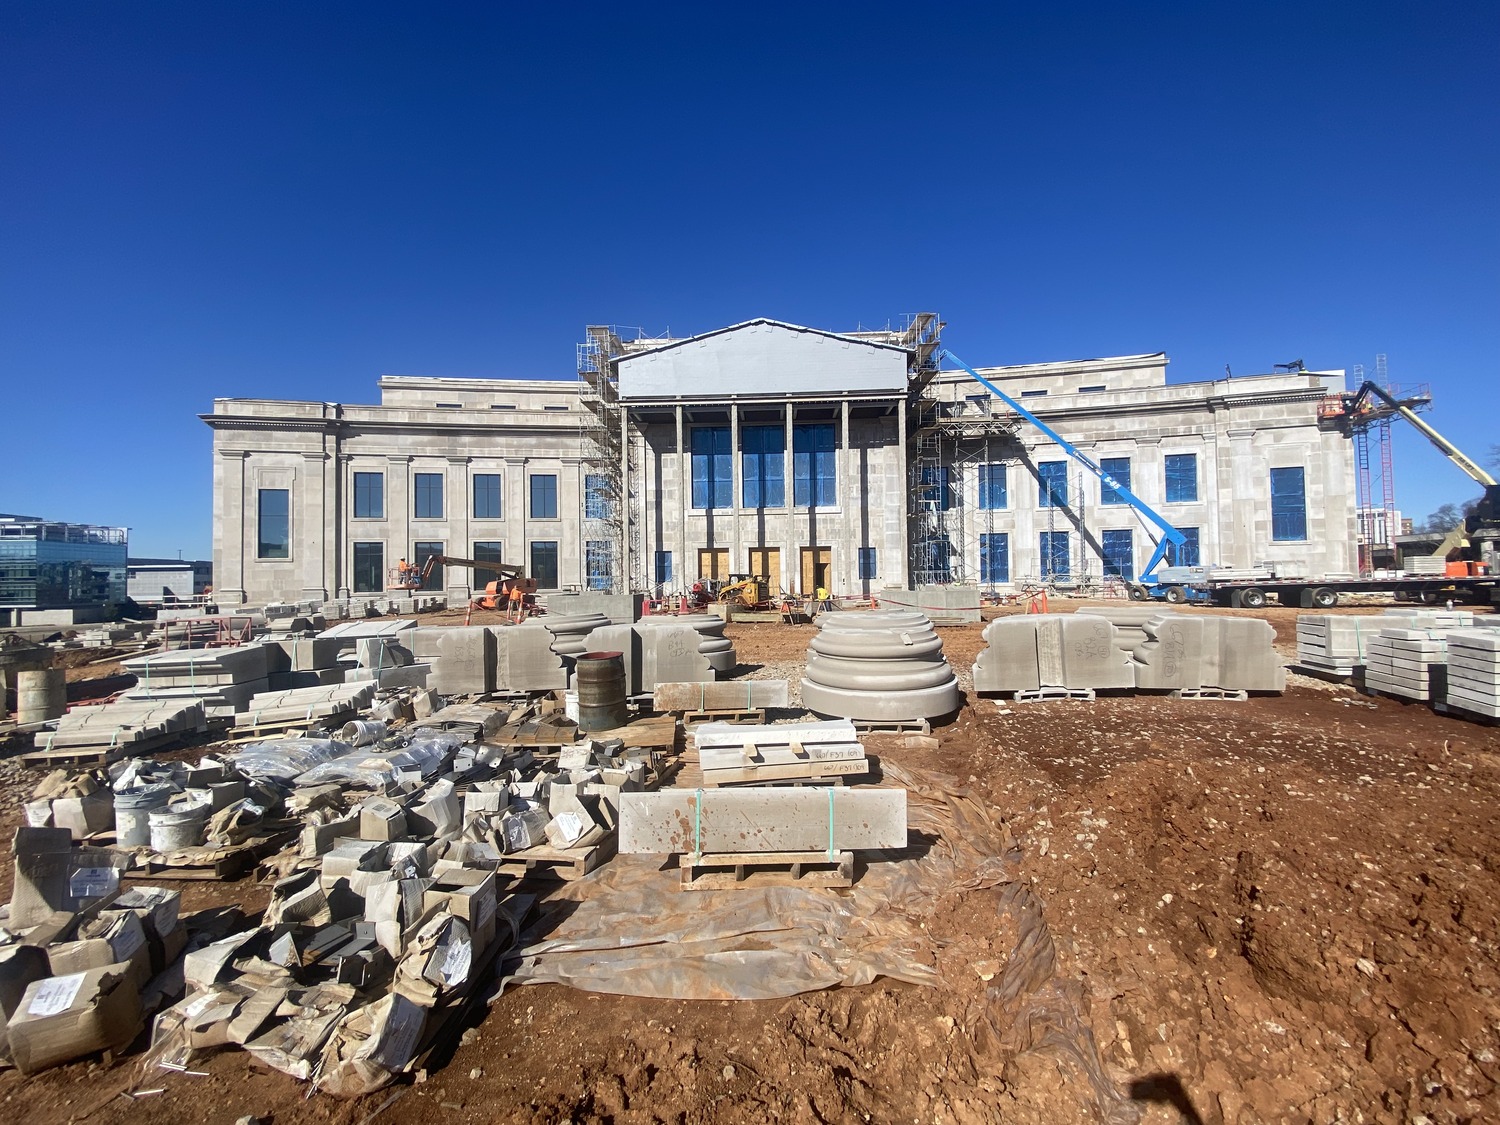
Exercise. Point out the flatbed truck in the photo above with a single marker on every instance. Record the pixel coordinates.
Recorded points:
(1199, 585)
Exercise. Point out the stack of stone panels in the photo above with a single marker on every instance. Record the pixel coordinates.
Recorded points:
(324, 705)
(222, 679)
(1474, 672)
(128, 725)
(1407, 662)
(1129, 621)
(1337, 643)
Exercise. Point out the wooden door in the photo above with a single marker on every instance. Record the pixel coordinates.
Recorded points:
(817, 569)
(713, 562)
(766, 563)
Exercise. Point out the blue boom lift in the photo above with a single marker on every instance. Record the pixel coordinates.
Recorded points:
(1170, 536)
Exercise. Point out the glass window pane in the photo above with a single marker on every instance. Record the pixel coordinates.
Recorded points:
(369, 568)
(1052, 491)
(1055, 555)
(597, 497)
(1119, 554)
(1182, 478)
(663, 567)
(867, 562)
(1288, 505)
(1187, 554)
(992, 487)
(994, 557)
(369, 496)
(544, 496)
(421, 551)
(1119, 469)
(486, 551)
(274, 524)
(544, 565)
(598, 564)
(427, 496)
(487, 502)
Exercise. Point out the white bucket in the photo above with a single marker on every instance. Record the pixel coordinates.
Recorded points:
(179, 827)
(133, 808)
(570, 705)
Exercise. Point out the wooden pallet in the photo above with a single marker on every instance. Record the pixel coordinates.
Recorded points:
(1053, 695)
(735, 871)
(567, 864)
(1230, 695)
(536, 734)
(892, 726)
(216, 863)
(656, 732)
(724, 715)
(87, 755)
(263, 731)
(810, 773)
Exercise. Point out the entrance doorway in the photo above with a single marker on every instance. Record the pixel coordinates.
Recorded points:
(817, 568)
(766, 562)
(713, 562)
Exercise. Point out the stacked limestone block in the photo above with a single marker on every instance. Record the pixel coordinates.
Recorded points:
(222, 679)
(887, 665)
(1474, 672)
(712, 643)
(1337, 643)
(1183, 653)
(1410, 663)
(1051, 650)
(462, 658)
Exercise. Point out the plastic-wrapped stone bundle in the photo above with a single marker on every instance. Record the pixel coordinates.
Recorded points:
(713, 645)
(884, 665)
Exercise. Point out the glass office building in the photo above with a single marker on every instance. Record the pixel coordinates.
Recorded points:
(46, 565)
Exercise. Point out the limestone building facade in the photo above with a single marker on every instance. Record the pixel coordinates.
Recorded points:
(850, 461)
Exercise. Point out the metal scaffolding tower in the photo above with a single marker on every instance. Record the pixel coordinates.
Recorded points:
(604, 448)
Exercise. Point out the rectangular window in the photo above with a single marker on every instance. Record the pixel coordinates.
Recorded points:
(1182, 478)
(1187, 554)
(598, 564)
(763, 466)
(1054, 555)
(486, 551)
(273, 524)
(1288, 505)
(1119, 554)
(544, 565)
(1032, 394)
(994, 557)
(1093, 390)
(369, 568)
(934, 559)
(598, 503)
(487, 501)
(713, 468)
(814, 475)
(543, 497)
(992, 487)
(663, 568)
(1119, 469)
(937, 487)
(1052, 487)
(427, 497)
(867, 562)
(369, 496)
(420, 553)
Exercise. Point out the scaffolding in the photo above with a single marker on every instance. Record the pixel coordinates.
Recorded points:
(607, 519)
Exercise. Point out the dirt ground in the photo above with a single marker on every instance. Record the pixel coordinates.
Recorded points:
(1279, 910)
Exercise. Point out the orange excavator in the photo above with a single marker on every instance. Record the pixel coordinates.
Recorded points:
(496, 595)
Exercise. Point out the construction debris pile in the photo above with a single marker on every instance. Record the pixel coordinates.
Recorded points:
(396, 857)
(1071, 656)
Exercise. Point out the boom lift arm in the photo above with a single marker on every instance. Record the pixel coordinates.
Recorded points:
(1446, 447)
(1170, 536)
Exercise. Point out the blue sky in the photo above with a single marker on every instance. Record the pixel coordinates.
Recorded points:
(287, 200)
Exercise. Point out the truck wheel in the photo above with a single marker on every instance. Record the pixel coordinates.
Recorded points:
(1324, 598)
(1176, 595)
(1430, 597)
(1138, 593)
(1253, 598)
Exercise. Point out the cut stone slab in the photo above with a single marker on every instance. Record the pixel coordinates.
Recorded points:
(525, 660)
(1063, 650)
(775, 734)
(723, 695)
(761, 820)
(714, 646)
(669, 654)
(462, 658)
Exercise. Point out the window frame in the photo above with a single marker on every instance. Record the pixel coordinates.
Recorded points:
(598, 504)
(498, 495)
(1172, 484)
(987, 569)
(355, 564)
(711, 468)
(1109, 559)
(1107, 495)
(987, 486)
(422, 495)
(261, 519)
(1295, 507)
(477, 550)
(378, 512)
(534, 480)
(815, 480)
(535, 572)
(594, 577)
(1048, 555)
(418, 558)
(769, 488)
(868, 564)
(1046, 491)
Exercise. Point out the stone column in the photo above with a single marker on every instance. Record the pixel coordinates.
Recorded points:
(849, 500)
(736, 485)
(460, 507)
(791, 558)
(901, 573)
(312, 552)
(622, 581)
(684, 488)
